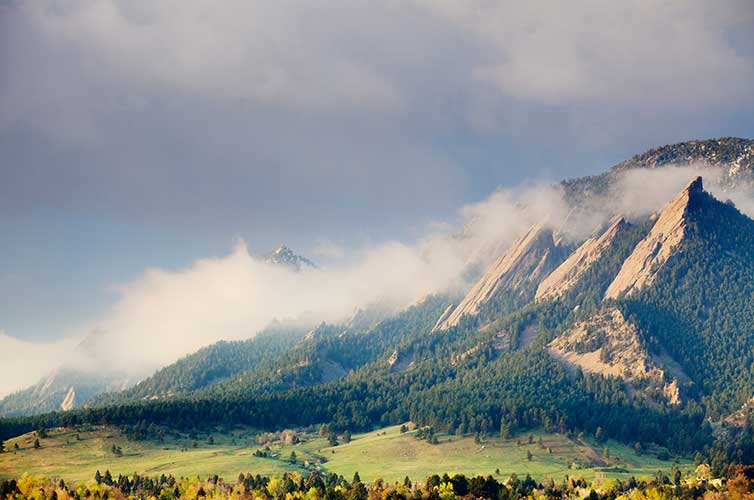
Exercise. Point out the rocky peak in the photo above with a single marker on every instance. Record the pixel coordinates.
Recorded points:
(528, 260)
(568, 274)
(641, 267)
(285, 256)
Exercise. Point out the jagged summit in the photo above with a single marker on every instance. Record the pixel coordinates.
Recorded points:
(652, 252)
(528, 260)
(287, 257)
(567, 274)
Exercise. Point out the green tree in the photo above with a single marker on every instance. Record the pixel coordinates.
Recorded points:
(293, 457)
(347, 436)
(36, 444)
(332, 439)
(528, 455)
(505, 430)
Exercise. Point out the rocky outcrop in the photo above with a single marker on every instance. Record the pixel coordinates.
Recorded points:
(568, 274)
(529, 260)
(609, 345)
(400, 362)
(641, 267)
(69, 401)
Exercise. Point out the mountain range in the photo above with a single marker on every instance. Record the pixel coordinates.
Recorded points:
(641, 332)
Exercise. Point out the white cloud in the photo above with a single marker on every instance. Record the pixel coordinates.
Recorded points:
(23, 363)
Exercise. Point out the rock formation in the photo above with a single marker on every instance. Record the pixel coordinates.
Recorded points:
(609, 345)
(530, 258)
(567, 274)
(641, 267)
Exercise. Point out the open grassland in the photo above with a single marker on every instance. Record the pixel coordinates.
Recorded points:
(386, 453)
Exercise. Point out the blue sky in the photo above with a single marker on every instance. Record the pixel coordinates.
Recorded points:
(137, 134)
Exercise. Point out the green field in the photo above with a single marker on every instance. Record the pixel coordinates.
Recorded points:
(386, 454)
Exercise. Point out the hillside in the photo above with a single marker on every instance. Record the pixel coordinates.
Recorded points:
(731, 157)
(385, 453)
(62, 389)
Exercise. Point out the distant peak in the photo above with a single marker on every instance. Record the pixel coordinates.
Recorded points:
(283, 255)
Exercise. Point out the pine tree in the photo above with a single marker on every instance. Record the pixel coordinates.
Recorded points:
(505, 430)
(36, 444)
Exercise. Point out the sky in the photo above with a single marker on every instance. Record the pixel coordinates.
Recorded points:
(140, 137)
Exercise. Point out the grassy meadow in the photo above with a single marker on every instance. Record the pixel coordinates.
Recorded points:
(386, 453)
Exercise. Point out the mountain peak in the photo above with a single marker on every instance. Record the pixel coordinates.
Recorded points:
(652, 252)
(695, 186)
(528, 260)
(568, 274)
(285, 256)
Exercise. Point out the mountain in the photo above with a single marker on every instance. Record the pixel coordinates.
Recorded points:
(209, 365)
(80, 377)
(570, 272)
(525, 263)
(284, 256)
(62, 389)
(731, 158)
(69, 387)
(640, 333)
(645, 262)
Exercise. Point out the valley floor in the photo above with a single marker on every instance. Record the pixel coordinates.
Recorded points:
(386, 453)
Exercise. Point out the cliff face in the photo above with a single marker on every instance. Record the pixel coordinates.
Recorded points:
(641, 267)
(530, 258)
(567, 274)
(609, 345)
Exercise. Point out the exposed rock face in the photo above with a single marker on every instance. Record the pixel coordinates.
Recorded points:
(444, 317)
(530, 258)
(567, 274)
(69, 401)
(641, 267)
(400, 362)
(609, 345)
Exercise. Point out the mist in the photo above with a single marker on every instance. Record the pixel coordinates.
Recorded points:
(163, 314)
